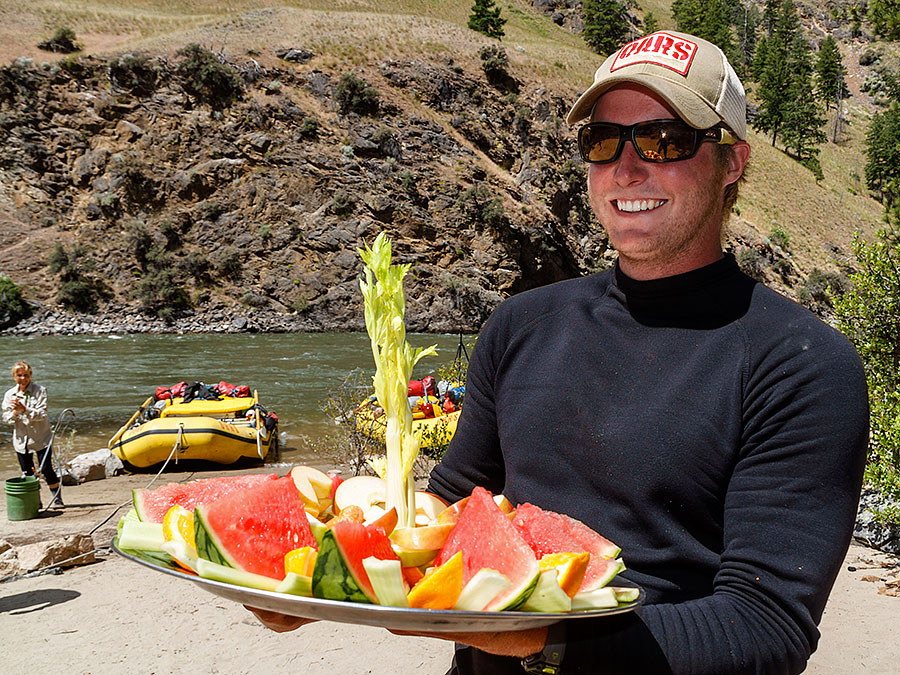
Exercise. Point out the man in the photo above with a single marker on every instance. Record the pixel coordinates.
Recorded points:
(711, 428)
(25, 407)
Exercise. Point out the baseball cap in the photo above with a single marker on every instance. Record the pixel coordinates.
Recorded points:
(691, 74)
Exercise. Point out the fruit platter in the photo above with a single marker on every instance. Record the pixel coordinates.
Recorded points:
(311, 545)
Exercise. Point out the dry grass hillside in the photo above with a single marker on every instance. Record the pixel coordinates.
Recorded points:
(819, 218)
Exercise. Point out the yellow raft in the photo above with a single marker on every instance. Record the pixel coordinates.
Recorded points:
(432, 432)
(223, 432)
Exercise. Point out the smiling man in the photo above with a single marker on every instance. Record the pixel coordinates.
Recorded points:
(713, 429)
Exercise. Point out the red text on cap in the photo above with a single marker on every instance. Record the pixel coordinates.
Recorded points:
(662, 49)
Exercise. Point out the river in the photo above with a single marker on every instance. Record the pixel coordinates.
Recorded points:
(103, 379)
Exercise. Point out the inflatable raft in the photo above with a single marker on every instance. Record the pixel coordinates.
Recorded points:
(221, 431)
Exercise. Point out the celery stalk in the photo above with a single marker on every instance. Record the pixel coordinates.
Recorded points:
(385, 306)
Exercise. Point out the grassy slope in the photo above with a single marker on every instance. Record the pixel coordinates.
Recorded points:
(363, 33)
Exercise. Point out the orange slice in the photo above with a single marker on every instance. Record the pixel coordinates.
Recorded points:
(352, 513)
(178, 525)
(570, 568)
(440, 588)
(300, 561)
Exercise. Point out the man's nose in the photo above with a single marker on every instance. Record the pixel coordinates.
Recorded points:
(630, 168)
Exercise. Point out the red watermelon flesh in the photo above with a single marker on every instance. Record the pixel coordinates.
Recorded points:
(550, 532)
(358, 542)
(487, 538)
(253, 528)
(152, 505)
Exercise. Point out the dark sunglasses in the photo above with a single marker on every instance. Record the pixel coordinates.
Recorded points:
(654, 141)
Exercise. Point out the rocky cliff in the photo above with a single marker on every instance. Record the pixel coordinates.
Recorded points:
(123, 190)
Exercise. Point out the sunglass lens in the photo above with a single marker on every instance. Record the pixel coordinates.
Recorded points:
(599, 142)
(665, 141)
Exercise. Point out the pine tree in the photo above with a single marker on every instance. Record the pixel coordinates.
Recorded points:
(802, 131)
(770, 68)
(885, 18)
(830, 73)
(651, 23)
(707, 19)
(485, 18)
(883, 154)
(746, 22)
(605, 25)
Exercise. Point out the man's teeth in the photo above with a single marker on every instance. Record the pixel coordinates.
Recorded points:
(632, 206)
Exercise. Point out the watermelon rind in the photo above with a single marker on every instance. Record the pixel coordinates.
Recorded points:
(386, 578)
(516, 600)
(296, 584)
(230, 575)
(206, 543)
(486, 585)
(547, 595)
(599, 598)
(615, 567)
(626, 595)
(332, 578)
(140, 536)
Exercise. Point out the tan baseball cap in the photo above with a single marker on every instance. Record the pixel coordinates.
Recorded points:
(691, 74)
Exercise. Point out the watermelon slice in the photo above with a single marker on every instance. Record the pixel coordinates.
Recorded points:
(253, 528)
(550, 532)
(339, 573)
(488, 539)
(152, 505)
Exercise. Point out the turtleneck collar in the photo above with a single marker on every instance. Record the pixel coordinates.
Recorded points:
(706, 297)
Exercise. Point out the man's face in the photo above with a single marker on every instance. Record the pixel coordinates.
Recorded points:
(22, 378)
(662, 218)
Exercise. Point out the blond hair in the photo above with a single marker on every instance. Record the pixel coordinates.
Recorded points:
(21, 365)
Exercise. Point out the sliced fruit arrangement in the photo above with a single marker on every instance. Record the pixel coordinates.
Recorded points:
(311, 534)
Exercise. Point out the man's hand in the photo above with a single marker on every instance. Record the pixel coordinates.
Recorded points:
(18, 407)
(518, 643)
(280, 623)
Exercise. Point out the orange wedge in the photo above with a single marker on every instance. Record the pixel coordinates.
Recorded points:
(300, 561)
(178, 525)
(352, 513)
(440, 588)
(570, 569)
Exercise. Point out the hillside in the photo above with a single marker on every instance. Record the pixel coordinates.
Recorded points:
(257, 208)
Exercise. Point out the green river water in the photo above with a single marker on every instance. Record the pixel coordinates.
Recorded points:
(105, 378)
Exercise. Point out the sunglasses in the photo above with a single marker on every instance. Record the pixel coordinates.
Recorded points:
(654, 140)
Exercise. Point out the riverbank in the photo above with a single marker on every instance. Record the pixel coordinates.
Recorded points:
(113, 614)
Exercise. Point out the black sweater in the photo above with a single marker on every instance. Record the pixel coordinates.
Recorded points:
(713, 429)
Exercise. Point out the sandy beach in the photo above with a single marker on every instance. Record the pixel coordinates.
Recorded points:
(114, 615)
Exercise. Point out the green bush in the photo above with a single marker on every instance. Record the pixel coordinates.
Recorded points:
(478, 204)
(206, 79)
(12, 307)
(867, 314)
(62, 42)
(135, 73)
(354, 94)
(77, 295)
(226, 262)
(494, 63)
(161, 294)
(780, 238)
(342, 203)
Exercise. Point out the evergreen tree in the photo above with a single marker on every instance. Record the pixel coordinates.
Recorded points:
(746, 22)
(605, 25)
(707, 19)
(830, 73)
(885, 18)
(802, 130)
(485, 18)
(770, 68)
(651, 24)
(883, 154)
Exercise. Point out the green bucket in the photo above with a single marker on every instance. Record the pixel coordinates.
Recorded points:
(23, 498)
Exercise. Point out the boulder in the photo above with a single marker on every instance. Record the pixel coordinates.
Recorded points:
(879, 535)
(92, 466)
(73, 549)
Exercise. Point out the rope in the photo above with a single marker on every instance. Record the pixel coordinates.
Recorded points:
(57, 567)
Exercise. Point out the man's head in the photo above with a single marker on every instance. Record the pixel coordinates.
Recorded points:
(666, 147)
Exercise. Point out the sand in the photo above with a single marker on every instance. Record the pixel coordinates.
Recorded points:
(114, 615)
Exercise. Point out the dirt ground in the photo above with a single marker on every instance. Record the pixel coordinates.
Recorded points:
(115, 615)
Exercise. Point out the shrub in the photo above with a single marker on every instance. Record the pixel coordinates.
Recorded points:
(494, 62)
(478, 204)
(134, 73)
(780, 238)
(12, 307)
(77, 295)
(309, 127)
(62, 42)
(342, 203)
(226, 262)
(751, 262)
(206, 79)
(161, 294)
(354, 94)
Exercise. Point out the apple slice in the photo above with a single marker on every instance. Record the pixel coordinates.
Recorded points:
(427, 538)
(451, 513)
(367, 492)
(428, 507)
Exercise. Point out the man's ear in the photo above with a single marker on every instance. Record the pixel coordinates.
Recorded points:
(737, 160)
